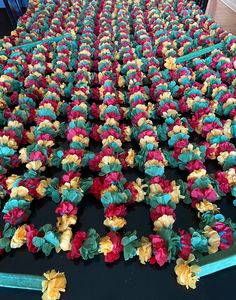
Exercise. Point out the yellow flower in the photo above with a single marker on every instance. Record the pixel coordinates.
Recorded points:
(21, 192)
(121, 81)
(231, 176)
(140, 189)
(107, 160)
(30, 136)
(54, 283)
(3, 57)
(45, 143)
(175, 194)
(186, 274)
(10, 181)
(111, 139)
(154, 189)
(110, 122)
(11, 143)
(19, 237)
(197, 174)
(145, 250)
(148, 139)
(35, 165)
(165, 95)
(14, 124)
(205, 205)
(23, 155)
(3, 103)
(127, 132)
(115, 222)
(164, 221)
(111, 188)
(227, 129)
(71, 158)
(170, 112)
(41, 189)
(81, 139)
(75, 182)
(65, 240)
(229, 101)
(142, 121)
(65, 221)
(130, 158)
(213, 239)
(170, 63)
(156, 162)
(105, 245)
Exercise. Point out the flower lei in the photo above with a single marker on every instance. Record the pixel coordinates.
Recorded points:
(115, 79)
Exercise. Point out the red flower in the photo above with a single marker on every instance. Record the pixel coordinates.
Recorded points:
(134, 193)
(76, 243)
(31, 232)
(94, 133)
(16, 216)
(31, 184)
(117, 247)
(194, 165)
(97, 187)
(113, 210)
(185, 241)
(164, 183)
(223, 182)
(161, 210)
(1, 250)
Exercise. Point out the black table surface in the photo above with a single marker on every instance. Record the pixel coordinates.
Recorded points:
(89, 280)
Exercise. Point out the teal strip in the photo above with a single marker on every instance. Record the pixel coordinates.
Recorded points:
(201, 52)
(50, 40)
(21, 281)
(216, 262)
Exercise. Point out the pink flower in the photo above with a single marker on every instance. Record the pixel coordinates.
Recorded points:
(160, 251)
(200, 194)
(226, 235)
(66, 208)
(113, 177)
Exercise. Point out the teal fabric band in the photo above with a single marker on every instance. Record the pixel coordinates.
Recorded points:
(201, 52)
(216, 262)
(50, 40)
(21, 281)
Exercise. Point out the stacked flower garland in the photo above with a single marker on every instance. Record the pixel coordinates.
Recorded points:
(106, 73)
